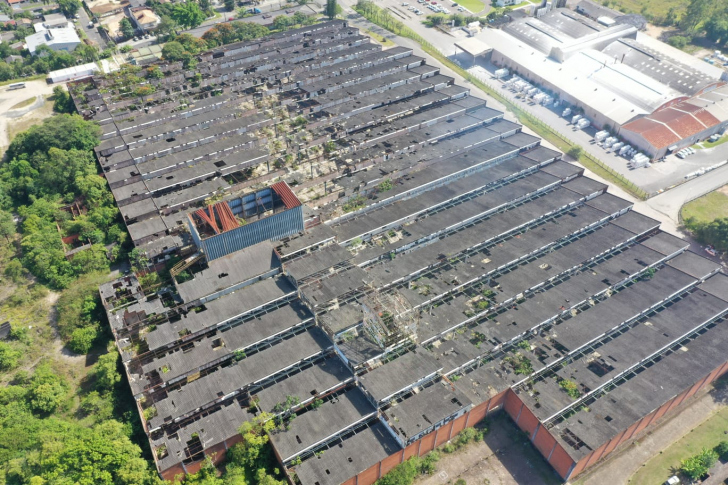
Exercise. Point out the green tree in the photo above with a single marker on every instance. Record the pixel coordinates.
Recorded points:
(281, 22)
(436, 20)
(82, 339)
(173, 51)
(716, 29)
(7, 225)
(47, 397)
(722, 450)
(698, 466)
(188, 14)
(62, 102)
(698, 12)
(106, 370)
(229, 5)
(69, 7)
(331, 9)
(459, 20)
(678, 41)
(66, 132)
(15, 271)
(126, 28)
(167, 25)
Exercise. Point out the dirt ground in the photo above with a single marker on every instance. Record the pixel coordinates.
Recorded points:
(505, 457)
(10, 126)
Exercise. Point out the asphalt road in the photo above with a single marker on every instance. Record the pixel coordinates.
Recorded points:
(93, 33)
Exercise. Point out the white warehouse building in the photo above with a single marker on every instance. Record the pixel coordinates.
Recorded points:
(616, 76)
(63, 39)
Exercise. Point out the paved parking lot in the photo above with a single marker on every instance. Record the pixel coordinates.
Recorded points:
(660, 176)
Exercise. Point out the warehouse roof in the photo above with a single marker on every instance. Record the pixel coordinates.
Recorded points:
(668, 126)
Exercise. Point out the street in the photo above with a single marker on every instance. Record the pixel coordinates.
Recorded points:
(93, 33)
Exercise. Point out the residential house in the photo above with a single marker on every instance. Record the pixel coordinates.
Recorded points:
(145, 19)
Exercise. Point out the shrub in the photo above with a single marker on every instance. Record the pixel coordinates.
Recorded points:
(9, 356)
(82, 339)
(570, 387)
(575, 152)
(722, 450)
(678, 41)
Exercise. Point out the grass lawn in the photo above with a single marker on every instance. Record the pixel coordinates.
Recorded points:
(664, 465)
(708, 207)
(708, 144)
(474, 6)
(29, 119)
(658, 8)
(379, 38)
(23, 104)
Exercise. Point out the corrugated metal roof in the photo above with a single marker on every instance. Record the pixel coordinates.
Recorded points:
(284, 191)
(670, 125)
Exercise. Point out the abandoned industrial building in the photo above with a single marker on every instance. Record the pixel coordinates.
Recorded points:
(357, 242)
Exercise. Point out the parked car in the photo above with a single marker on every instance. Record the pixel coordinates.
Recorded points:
(710, 250)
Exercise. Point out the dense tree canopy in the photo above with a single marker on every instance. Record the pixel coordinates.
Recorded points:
(188, 14)
(69, 7)
(709, 16)
(45, 167)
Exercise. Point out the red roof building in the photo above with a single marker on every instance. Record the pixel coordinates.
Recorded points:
(676, 126)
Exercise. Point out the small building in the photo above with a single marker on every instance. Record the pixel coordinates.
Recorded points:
(65, 39)
(17, 2)
(145, 19)
(53, 21)
(73, 73)
(13, 58)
